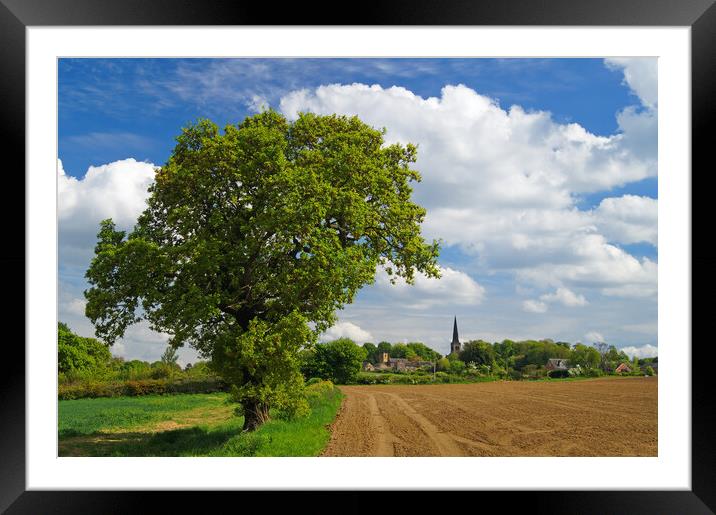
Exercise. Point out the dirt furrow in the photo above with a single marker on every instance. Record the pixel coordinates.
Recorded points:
(604, 417)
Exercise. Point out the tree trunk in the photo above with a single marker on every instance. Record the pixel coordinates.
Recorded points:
(255, 414)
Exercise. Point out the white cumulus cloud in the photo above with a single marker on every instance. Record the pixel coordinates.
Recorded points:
(645, 351)
(593, 337)
(534, 306)
(628, 219)
(565, 297)
(346, 330)
(116, 190)
(640, 74)
(453, 286)
(502, 183)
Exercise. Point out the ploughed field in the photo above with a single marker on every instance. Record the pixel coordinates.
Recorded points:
(595, 417)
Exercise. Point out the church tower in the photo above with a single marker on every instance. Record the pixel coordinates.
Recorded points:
(455, 344)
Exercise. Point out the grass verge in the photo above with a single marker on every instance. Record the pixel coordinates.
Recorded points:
(188, 425)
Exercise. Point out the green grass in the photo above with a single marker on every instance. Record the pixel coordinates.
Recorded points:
(88, 416)
(187, 425)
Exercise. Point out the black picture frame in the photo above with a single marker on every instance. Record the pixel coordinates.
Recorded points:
(16, 15)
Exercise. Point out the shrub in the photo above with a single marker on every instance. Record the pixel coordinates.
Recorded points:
(161, 370)
(76, 353)
(558, 374)
(93, 389)
(442, 377)
(443, 364)
(339, 361)
(594, 372)
(649, 371)
(320, 390)
(515, 375)
(574, 372)
(457, 367)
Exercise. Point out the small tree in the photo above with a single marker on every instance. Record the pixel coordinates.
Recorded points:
(478, 352)
(603, 350)
(457, 367)
(370, 352)
(338, 361)
(170, 356)
(443, 364)
(76, 353)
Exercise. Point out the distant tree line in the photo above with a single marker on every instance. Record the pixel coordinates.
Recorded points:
(341, 360)
(86, 366)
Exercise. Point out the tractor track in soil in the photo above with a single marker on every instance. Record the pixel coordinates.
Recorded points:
(600, 417)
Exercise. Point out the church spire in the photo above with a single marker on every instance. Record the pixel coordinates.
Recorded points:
(455, 344)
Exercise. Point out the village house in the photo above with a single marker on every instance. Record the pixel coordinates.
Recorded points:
(622, 368)
(394, 364)
(406, 365)
(557, 364)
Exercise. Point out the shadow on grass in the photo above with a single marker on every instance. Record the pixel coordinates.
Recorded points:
(192, 441)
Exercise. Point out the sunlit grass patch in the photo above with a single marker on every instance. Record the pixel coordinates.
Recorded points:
(189, 425)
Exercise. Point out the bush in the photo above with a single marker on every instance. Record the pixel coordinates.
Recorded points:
(338, 361)
(558, 374)
(443, 364)
(457, 367)
(162, 370)
(649, 371)
(441, 377)
(368, 378)
(93, 389)
(78, 354)
(515, 375)
(594, 372)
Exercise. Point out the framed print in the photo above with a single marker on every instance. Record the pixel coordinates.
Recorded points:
(540, 264)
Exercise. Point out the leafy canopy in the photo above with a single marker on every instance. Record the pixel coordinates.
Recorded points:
(267, 225)
(338, 361)
(76, 353)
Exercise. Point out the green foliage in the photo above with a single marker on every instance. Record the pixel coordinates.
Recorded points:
(593, 372)
(78, 354)
(371, 352)
(560, 374)
(423, 352)
(457, 367)
(414, 378)
(533, 372)
(383, 347)
(399, 350)
(135, 369)
(648, 370)
(270, 222)
(338, 361)
(170, 356)
(443, 364)
(533, 352)
(136, 387)
(263, 364)
(478, 352)
(162, 370)
(584, 356)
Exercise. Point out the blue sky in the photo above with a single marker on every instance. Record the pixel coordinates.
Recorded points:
(547, 209)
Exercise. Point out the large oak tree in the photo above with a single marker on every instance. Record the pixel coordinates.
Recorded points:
(252, 239)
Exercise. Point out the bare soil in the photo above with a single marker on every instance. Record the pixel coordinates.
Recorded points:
(599, 417)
